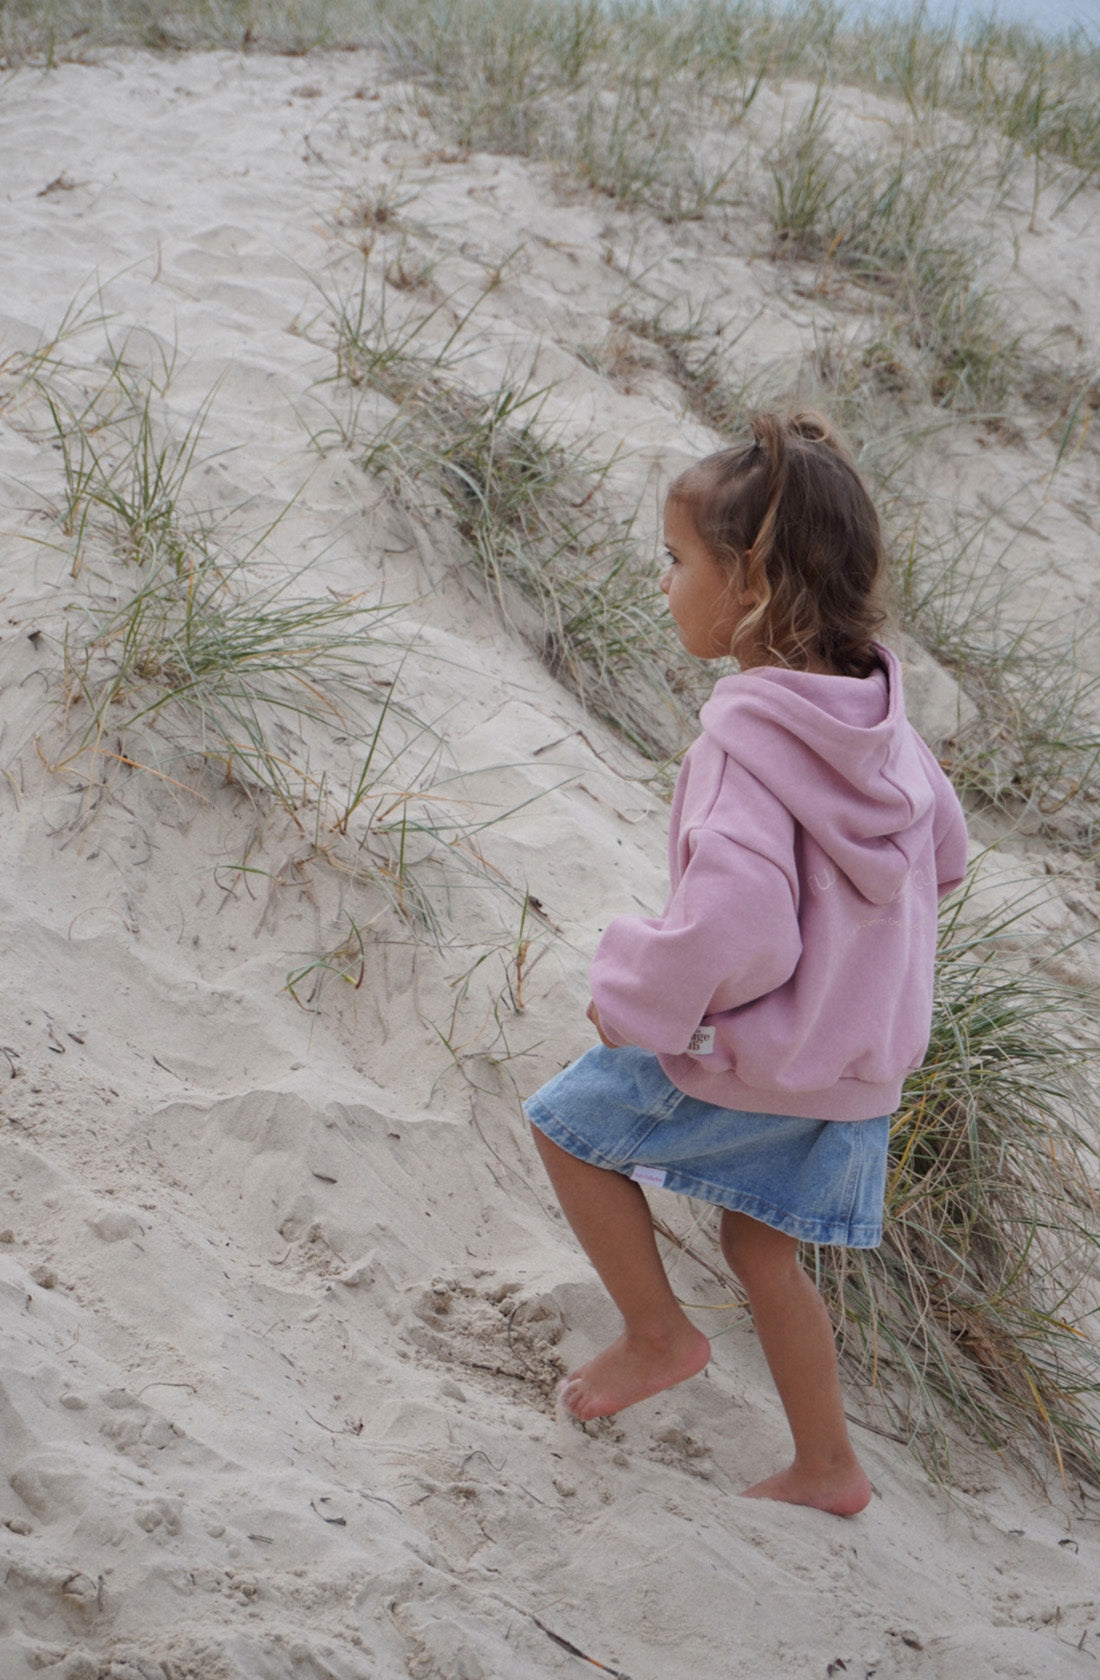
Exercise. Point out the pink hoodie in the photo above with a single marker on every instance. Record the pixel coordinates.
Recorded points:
(813, 833)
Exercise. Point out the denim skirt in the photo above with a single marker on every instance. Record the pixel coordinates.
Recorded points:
(822, 1181)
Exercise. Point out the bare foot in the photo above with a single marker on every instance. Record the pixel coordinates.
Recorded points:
(843, 1491)
(633, 1369)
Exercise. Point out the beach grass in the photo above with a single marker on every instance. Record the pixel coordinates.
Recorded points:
(979, 1306)
(190, 652)
(530, 509)
(897, 221)
(1032, 750)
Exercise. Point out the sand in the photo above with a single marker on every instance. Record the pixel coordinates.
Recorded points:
(282, 1294)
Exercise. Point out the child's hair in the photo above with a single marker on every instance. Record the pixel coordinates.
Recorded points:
(790, 518)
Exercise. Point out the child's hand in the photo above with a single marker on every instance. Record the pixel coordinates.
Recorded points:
(594, 1017)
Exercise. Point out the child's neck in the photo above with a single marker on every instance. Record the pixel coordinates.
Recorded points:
(815, 666)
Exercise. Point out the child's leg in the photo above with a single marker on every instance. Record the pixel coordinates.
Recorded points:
(659, 1345)
(793, 1325)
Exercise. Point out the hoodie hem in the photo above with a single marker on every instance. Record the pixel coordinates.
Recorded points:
(847, 1100)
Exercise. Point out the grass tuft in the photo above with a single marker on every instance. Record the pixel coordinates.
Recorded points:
(123, 464)
(893, 225)
(532, 513)
(977, 1307)
(187, 648)
(533, 520)
(1033, 749)
(233, 673)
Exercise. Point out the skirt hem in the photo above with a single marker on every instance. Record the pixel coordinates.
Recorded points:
(791, 1224)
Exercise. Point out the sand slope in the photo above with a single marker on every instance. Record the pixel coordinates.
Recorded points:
(281, 1295)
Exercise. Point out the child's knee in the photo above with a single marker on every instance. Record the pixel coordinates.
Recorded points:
(753, 1249)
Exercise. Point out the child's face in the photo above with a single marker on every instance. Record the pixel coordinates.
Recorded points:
(703, 597)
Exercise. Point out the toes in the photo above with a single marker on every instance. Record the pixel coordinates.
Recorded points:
(567, 1394)
(570, 1394)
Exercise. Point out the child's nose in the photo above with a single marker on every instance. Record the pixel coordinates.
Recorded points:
(664, 582)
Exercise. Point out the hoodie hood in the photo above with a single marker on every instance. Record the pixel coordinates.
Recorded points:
(841, 756)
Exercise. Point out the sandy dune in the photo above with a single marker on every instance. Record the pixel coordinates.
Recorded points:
(282, 1296)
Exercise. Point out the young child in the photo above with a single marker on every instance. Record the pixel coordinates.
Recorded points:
(755, 1035)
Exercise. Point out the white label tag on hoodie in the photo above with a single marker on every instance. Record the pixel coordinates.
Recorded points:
(701, 1042)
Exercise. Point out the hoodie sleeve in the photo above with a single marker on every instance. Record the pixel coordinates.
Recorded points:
(728, 934)
(948, 826)
(950, 835)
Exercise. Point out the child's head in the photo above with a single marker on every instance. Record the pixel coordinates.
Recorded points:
(788, 519)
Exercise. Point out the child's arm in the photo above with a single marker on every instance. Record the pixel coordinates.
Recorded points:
(948, 824)
(949, 835)
(730, 929)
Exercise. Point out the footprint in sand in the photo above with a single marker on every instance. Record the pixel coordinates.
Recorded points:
(51, 1486)
(497, 1334)
(674, 1445)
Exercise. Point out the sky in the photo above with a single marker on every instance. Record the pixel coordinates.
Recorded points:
(1052, 15)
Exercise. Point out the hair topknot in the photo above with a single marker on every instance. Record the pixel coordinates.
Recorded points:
(790, 517)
